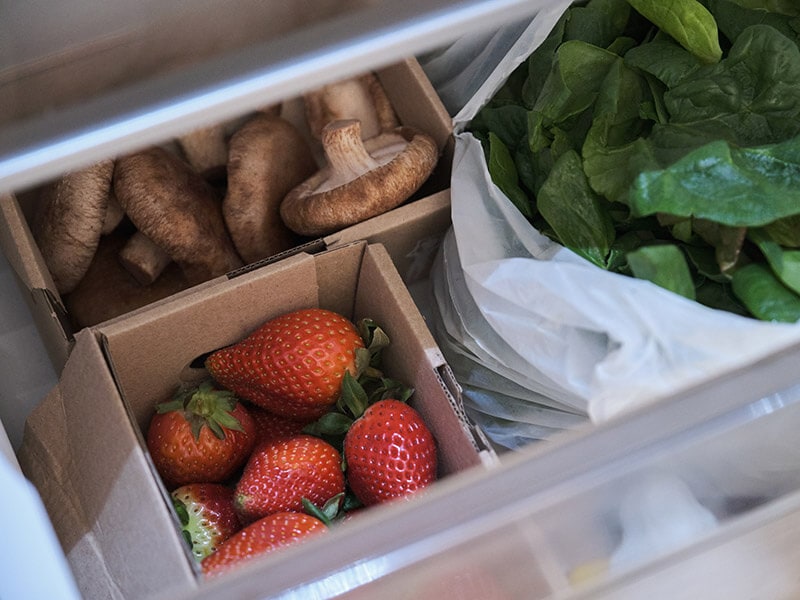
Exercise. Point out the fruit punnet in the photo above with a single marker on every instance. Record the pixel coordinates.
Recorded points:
(207, 516)
(280, 474)
(204, 434)
(293, 365)
(268, 534)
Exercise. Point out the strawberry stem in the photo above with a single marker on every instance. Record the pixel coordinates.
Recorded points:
(205, 404)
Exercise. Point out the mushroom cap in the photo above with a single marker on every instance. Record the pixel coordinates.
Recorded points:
(178, 210)
(268, 157)
(70, 220)
(361, 179)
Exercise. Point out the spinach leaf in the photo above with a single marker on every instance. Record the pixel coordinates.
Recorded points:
(719, 296)
(504, 175)
(744, 187)
(784, 7)
(614, 150)
(751, 97)
(785, 231)
(576, 214)
(728, 242)
(540, 62)
(509, 123)
(734, 17)
(599, 23)
(764, 295)
(573, 82)
(664, 59)
(785, 264)
(664, 265)
(704, 261)
(688, 21)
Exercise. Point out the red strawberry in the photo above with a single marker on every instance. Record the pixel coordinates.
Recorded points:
(207, 516)
(390, 453)
(270, 427)
(268, 534)
(293, 364)
(203, 434)
(280, 474)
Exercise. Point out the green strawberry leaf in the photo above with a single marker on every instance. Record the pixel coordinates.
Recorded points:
(375, 340)
(389, 388)
(363, 359)
(328, 513)
(332, 423)
(353, 397)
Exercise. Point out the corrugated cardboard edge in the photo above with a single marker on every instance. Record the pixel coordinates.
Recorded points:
(451, 428)
(71, 447)
(411, 233)
(35, 281)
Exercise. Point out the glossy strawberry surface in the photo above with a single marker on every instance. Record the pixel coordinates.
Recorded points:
(261, 537)
(205, 436)
(278, 475)
(292, 365)
(390, 453)
(206, 514)
(271, 427)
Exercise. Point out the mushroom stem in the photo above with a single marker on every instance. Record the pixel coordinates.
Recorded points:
(143, 258)
(346, 154)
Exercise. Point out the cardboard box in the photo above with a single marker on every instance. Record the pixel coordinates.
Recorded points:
(416, 104)
(84, 447)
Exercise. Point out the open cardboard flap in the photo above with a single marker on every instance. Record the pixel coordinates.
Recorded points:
(84, 447)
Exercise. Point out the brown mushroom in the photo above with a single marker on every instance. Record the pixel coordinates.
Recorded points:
(362, 178)
(108, 290)
(114, 213)
(178, 210)
(70, 220)
(268, 157)
(206, 150)
(362, 98)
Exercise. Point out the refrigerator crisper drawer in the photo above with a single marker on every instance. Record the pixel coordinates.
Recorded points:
(695, 497)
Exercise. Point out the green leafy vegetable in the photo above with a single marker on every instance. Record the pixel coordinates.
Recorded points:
(504, 174)
(744, 187)
(661, 140)
(764, 295)
(574, 211)
(664, 265)
(688, 21)
(751, 97)
(785, 264)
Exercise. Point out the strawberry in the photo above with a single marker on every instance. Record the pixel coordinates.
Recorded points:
(270, 427)
(207, 516)
(291, 365)
(390, 453)
(203, 434)
(266, 535)
(280, 474)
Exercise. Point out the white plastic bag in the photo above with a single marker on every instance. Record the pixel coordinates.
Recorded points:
(579, 339)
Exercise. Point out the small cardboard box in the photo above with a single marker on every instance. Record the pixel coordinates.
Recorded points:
(84, 445)
(416, 104)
